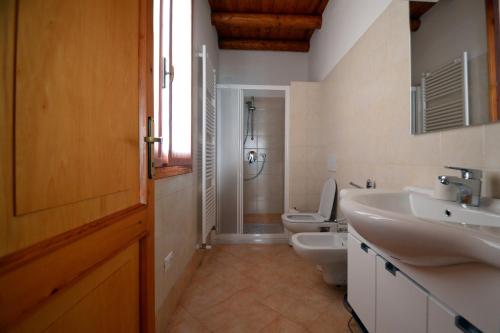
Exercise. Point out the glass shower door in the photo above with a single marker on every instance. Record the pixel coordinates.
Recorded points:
(228, 159)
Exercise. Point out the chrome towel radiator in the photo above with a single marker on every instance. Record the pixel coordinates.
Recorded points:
(208, 147)
(445, 96)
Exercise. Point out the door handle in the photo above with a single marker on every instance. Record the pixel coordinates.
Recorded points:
(391, 268)
(465, 326)
(150, 140)
(364, 247)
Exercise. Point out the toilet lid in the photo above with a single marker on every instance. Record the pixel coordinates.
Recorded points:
(327, 199)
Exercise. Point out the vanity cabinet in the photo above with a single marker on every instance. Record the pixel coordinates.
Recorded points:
(401, 305)
(440, 318)
(361, 281)
(387, 300)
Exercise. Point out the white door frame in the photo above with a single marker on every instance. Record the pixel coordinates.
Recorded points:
(286, 90)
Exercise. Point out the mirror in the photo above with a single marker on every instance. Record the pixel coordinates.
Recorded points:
(455, 63)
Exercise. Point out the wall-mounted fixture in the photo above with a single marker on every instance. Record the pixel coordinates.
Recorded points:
(454, 81)
(252, 157)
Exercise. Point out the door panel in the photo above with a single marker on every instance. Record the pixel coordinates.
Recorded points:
(76, 236)
(73, 117)
(112, 289)
(76, 107)
(58, 263)
(361, 262)
(440, 319)
(228, 159)
(401, 305)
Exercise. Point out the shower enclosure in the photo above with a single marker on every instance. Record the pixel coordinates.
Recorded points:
(252, 172)
(263, 172)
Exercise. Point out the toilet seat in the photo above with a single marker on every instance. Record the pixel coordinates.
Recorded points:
(308, 222)
(303, 218)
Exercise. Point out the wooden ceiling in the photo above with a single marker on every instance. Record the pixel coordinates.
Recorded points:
(272, 25)
(417, 9)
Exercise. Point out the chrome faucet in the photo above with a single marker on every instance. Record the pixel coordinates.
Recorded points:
(469, 185)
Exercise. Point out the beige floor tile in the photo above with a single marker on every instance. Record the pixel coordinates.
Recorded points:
(196, 299)
(255, 317)
(238, 327)
(259, 288)
(333, 323)
(189, 327)
(205, 281)
(183, 322)
(217, 317)
(292, 308)
(179, 315)
(283, 325)
(235, 277)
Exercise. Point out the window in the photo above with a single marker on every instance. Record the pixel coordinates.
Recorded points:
(172, 86)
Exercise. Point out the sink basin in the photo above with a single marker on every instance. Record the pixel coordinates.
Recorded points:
(419, 230)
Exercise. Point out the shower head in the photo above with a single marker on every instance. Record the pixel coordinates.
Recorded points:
(251, 104)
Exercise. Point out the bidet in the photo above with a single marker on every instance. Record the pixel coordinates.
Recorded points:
(327, 249)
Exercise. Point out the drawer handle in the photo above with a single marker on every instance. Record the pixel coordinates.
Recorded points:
(391, 268)
(364, 247)
(465, 326)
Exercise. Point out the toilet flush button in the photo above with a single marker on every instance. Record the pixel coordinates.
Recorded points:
(332, 162)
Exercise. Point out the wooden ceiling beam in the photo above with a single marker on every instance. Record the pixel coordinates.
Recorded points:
(244, 20)
(264, 45)
(414, 24)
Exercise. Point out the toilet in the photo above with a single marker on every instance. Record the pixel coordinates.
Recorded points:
(327, 249)
(309, 222)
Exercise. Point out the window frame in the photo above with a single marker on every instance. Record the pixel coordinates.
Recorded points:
(167, 166)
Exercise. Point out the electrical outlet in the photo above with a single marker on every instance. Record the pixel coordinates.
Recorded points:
(167, 261)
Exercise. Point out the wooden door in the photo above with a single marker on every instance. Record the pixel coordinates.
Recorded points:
(75, 244)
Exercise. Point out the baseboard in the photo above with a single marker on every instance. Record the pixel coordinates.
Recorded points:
(170, 304)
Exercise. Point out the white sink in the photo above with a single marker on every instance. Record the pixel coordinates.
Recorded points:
(419, 230)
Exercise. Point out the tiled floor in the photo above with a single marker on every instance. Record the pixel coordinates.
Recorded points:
(263, 218)
(260, 288)
(263, 228)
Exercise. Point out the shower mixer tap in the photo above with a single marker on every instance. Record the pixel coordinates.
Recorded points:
(252, 157)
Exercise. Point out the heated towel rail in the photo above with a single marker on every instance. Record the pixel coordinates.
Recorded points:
(208, 151)
(445, 96)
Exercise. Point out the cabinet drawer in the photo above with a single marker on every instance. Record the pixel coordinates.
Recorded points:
(401, 304)
(361, 281)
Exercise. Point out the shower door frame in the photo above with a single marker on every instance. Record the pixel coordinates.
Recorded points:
(240, 236)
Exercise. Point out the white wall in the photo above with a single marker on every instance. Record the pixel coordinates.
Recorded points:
(344, 22)
(262, 67)
(204, 32)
